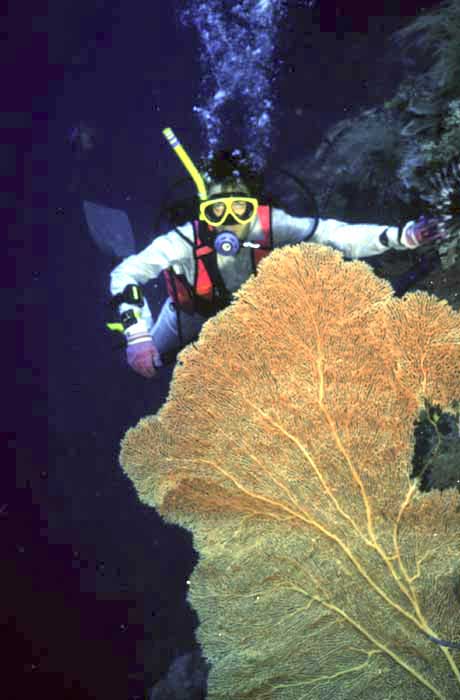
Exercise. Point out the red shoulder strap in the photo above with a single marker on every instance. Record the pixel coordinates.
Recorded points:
(203, 282)
(264, 215)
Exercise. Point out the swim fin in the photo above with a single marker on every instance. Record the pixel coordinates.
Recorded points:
(110, 229)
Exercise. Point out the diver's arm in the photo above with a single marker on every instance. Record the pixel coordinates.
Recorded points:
(359, 240)
(165, 251)
(353, 240)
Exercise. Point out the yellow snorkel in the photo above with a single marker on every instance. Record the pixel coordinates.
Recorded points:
(226, 242)
(187, 162)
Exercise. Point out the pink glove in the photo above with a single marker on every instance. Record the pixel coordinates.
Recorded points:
(423, 231)
(143, 357)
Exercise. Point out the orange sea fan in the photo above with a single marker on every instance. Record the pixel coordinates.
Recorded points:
(285, 447)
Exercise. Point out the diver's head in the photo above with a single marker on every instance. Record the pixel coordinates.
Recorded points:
(240, 208)
(228, 174)
(230, 207)
(231, 168)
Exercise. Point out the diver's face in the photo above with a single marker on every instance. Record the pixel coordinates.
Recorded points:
(239, 229)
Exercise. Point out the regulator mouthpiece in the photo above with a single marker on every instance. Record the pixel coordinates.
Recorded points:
(227, 243)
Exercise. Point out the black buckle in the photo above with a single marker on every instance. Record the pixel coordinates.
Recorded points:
(128, 318)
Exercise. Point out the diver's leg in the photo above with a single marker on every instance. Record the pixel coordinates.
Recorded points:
(165, 333)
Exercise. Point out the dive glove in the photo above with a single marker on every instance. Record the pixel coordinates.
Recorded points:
(422, 231)
(141, 353)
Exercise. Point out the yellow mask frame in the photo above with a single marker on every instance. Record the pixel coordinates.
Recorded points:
(228, 203)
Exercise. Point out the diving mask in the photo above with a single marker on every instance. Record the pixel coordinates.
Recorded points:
(239, 209)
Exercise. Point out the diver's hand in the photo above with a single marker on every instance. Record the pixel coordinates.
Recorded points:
(422, 231)
(142, 356)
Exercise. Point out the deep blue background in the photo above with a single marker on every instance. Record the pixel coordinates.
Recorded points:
(93, 583)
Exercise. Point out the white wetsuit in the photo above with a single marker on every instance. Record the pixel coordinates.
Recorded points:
(170, 250)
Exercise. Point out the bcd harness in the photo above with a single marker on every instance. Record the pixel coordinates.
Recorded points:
(209, 294)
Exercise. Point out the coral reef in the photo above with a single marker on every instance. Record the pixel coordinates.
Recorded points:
(436, 33)
(285, 446)
(380, 164)
(444, 198)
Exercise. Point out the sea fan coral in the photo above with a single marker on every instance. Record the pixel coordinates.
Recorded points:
(285, 446)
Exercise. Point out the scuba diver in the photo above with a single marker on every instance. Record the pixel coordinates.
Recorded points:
(206, 260)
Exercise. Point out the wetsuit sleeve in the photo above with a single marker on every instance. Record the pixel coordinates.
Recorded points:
(289, 229)
(353, 240)
(164, 251)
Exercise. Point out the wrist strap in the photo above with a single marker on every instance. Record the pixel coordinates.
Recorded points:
(129, 318)
(141, 337)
